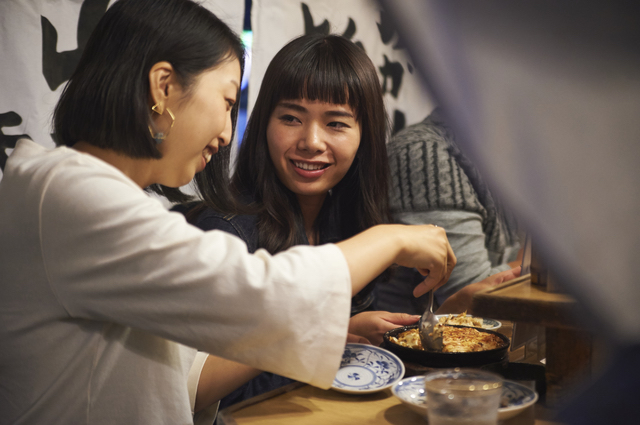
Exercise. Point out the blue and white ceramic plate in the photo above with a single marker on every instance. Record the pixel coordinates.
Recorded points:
(490, 324)
(515, 397)
(367, 369)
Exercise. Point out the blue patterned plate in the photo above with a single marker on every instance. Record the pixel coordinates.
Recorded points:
(491, 324)
(515, 397)
(367, 369)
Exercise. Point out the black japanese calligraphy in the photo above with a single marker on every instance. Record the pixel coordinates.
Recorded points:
(324, 28)
(8, 119)
(393, 71)
(387, 31)
(57, 67)
(399, 121)
(309, 27)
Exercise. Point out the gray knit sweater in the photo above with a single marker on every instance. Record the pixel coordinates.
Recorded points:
(432, 182)
(429, 172)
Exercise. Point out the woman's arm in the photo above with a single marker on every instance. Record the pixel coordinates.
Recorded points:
(424, 247)
(220, 377)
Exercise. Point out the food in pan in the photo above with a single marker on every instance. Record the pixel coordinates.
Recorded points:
(454, 340)
(462, 320)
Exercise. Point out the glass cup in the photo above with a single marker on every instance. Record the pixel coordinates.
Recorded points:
(463, 397)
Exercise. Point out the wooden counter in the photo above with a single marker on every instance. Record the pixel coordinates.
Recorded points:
(303, 404)
(569, 348)
(519, 301)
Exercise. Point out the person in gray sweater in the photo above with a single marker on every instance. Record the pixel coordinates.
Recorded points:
(432, 182)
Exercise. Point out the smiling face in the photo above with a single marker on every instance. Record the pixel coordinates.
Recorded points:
(312, 144)
(202, 124)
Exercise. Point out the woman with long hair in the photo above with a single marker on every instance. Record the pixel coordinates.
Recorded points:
(312, 167)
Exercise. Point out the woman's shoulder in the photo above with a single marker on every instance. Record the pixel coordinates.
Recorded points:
(242, 225)
(210, 219)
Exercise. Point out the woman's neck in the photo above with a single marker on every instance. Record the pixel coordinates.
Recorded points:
(310, 207)
(134, 168)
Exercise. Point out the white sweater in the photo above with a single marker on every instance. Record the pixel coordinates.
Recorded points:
(100, 286)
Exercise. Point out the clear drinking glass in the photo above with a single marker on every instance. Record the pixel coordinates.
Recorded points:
(463, 397)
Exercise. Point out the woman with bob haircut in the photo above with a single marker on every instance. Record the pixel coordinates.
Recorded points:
(106, 295)
(312, 168)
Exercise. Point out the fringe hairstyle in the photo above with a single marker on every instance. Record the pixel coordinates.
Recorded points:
(329, 69)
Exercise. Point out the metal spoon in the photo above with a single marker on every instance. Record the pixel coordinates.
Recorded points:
(430, 341)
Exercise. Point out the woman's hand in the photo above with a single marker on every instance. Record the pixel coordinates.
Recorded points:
(427, 248)
(372, 325)
(424, 247)
(461, 300)
(357, 339)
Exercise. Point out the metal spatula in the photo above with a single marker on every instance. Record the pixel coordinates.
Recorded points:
(430, 341)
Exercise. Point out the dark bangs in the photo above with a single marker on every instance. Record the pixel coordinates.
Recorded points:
(331, 69)
(320, 74)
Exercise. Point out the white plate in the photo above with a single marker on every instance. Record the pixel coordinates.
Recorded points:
(486, 323)
(518, 397)
(367, 369)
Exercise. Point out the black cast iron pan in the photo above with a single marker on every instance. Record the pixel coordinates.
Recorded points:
(435, 359)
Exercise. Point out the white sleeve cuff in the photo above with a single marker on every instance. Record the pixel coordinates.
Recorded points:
(194, 377)
(206, 416)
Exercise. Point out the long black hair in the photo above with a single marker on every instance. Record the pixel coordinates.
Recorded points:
(328, 69)
(105, 103)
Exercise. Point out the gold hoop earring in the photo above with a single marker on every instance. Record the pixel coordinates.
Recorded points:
(160, 136)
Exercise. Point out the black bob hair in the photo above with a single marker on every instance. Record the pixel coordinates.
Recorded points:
(106, 101)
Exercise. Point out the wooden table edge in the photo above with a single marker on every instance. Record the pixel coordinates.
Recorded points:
(561, 311)
(224, 417)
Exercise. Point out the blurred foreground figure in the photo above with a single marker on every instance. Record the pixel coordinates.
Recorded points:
(545, 99)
